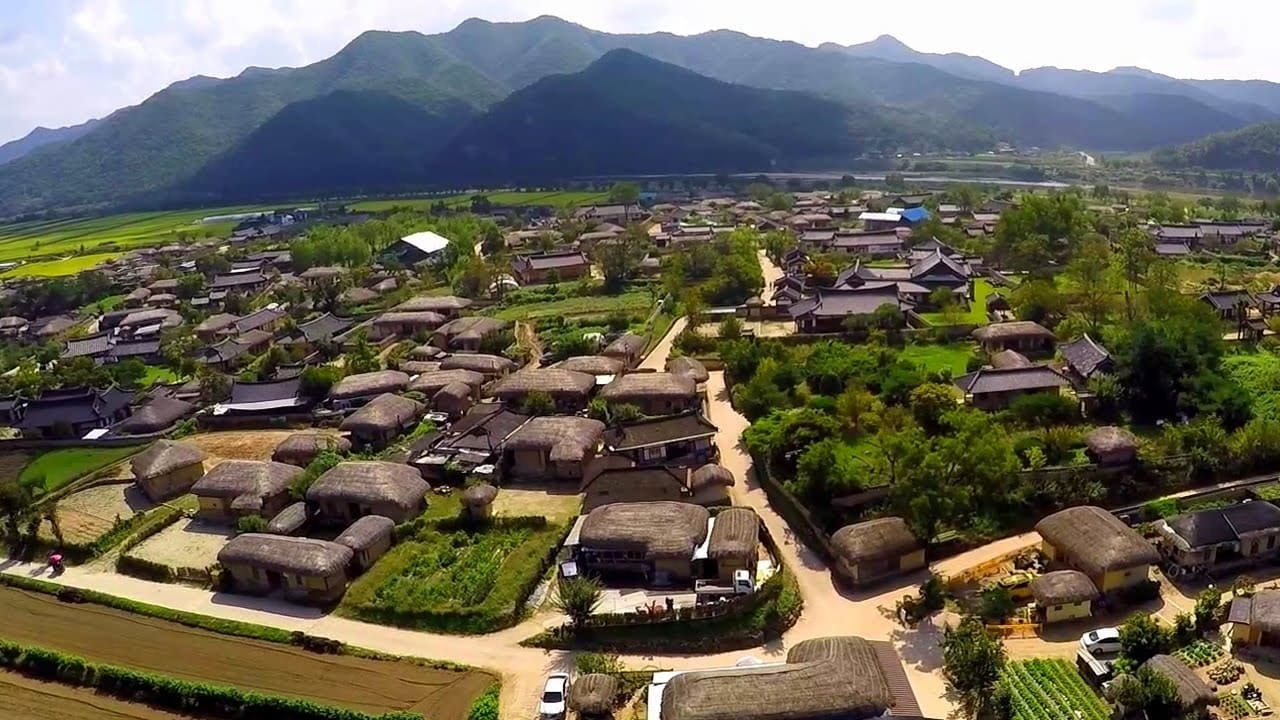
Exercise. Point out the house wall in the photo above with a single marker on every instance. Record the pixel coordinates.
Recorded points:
(365, 558)
(911, 561)
(726, 567)
(214, 509)
(1068, 612)
(172, 484)
(675, 570)
(341, 513)
(1117, 579)
(651, 405)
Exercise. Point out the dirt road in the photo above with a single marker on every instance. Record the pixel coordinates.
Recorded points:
(657, 358)
(771, 273)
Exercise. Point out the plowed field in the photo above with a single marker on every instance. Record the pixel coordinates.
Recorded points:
(105, 635)
(35, 700)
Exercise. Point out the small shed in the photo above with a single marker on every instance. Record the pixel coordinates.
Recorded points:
(1064, 595)
(1111, 445)
(290, 521)
(167, 469)
(869, 551)
(478, 499)
(454, 399)
(688, 367)
(306, 570)
(734, 542)
(369, 539)
(594, 695)
(709, 485)
(380, 422)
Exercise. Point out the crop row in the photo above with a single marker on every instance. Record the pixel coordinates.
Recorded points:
(1051, 690)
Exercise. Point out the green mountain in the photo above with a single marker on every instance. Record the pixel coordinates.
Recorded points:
(43, 137)
(590, 123)
(1255, 148)
(349, 141)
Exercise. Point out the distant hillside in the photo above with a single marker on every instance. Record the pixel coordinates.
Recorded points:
(346, 141)
(1255, 148)
(590, 123)
(1172, 118)
(887, 47)
(43, 137)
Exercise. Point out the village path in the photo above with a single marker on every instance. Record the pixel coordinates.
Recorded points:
(771, 273)
(656, 360)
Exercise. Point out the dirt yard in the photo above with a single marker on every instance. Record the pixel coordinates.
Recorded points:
(94, 632)
(556, 502)
(238, 444)
(189, 543)
(86, 515)
(35, 700)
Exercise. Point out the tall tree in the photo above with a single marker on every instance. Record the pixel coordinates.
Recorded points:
(1092, 292)
(972, 659)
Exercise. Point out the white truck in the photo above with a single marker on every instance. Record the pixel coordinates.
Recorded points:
(712, 590)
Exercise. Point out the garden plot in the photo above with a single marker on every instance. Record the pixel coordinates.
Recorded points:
(188, 543)
(86, 515)
(556, 504)
(238, 444)
(1051, 690)
(38, 700)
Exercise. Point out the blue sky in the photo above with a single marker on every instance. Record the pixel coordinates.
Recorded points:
(64, 61)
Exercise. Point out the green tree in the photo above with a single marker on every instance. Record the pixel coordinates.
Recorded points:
(619, 259)
(1147, 691)
(972, 659)
(362, 356)
(538, 403)
(1142, 638)
(780, 201)
(1093, 294)
(1207, 610)
(930, 402)
(578, 598)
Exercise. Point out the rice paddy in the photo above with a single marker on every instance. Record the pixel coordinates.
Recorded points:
(556, 198)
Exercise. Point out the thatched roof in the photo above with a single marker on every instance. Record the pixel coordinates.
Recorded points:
(216, 322)
(688, 367)
(289, 520)
(443, 304)
(710, 475)
(301, 448)
(1063, 587)
(1264, 612)
(454, 391)
(649, 385)
(370, 482)
(1111, 440)
(566, 439)
(552, 381)
(468, 328)
(370, 383)
(429, 383)
(417, 367)
(592, 364)
(1012, 330)
(412, 318)
(383, 413)
(365, 532)
(1006, 359)
(246, 482)
(836, 678)
(426, 352)
(157, 414)
(479, 495)
(284, 554)
(628, 344)
(594, 694)
(658, 529)
(734, 534)
(163, 457)
(886, 537)
(1192, 691)
(1096, 541)
(484, 364)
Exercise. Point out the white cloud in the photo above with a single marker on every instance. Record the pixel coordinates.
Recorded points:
(62, 62)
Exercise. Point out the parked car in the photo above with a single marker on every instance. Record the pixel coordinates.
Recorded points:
(1101, 641)
(553, 704)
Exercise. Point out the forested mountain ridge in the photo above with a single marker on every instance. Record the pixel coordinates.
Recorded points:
(1255, 148)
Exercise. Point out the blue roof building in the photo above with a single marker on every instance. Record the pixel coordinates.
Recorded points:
(915, 215)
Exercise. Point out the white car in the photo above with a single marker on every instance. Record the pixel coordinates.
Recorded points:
(1101, 641)
(553, 705)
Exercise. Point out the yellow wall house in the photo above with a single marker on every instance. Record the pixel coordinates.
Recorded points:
(1089, 539)
(869, 551)
(1064, 595)
(1255, 621)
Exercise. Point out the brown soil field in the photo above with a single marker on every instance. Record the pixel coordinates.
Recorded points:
(85, 515)
(35, 700)
(527, 499)
(238, 444)
(190, 543)
(110, 636)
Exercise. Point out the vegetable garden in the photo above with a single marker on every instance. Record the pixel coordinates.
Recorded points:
(1051, 690)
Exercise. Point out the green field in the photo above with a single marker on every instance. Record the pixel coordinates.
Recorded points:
(100, 237)
(156, 374)
(977, 312)
(936, 358)
(558, 198)
(628, 302)
(57, 468)
(61, 267)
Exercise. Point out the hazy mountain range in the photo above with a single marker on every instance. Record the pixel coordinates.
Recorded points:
(546, 99)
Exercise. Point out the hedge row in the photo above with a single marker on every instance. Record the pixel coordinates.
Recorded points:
(485, 707)
(159, 691)
(779, 608)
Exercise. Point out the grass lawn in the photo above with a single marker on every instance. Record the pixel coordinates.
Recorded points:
(935, 358)
(57, 468)
(634, 301)
(455, 580)
(156, 375)
(1258, 372)
(60, 267)
(105, 305)
(977, 313)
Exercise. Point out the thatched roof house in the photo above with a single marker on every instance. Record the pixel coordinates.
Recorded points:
(488, 365)
(1063, 587)
(688, 367)
(454, 399)
(557, 446)
(301, 448)
(874, 549)
(448, 305)
(353, 489)
(425, 352)
(1192, 691)
(157, 414)
(654, 393)
(594, 695)
(658, 530)
(367, 532)
(289, 521)
(735, 535)
(570, 390)
(368, 385)
(1009, 359)
(1021, 335)
(382, 419)
(245, 487)
(627, 348)
(429, 383)
(831, 678)
(1099, 544)
(1111, 445)
(710, 476)
(1256, 619)
(417, 367)
(164, 457)
(592, 365)
(307, 569)
(467, 333)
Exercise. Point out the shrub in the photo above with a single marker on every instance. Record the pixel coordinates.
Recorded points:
(578, 598)
(485, 707)
(1043, 410)
(145, 569)
(251, 524)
